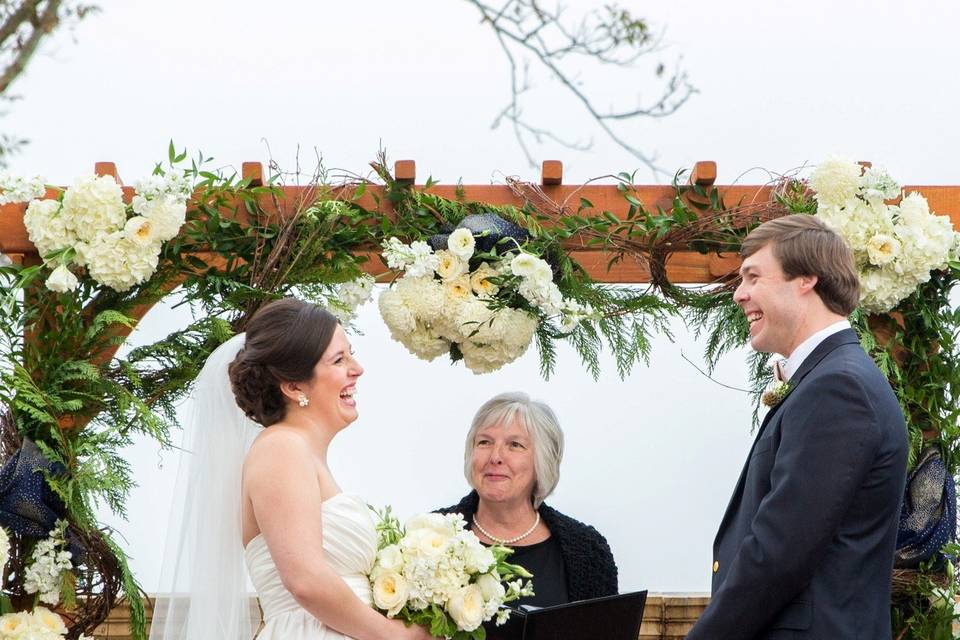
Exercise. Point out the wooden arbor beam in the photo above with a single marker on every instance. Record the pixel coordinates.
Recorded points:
(684, 267)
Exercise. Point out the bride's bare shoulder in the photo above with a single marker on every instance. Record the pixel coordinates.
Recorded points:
(277, 445)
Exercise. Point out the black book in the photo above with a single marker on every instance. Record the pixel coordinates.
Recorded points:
(608, 618)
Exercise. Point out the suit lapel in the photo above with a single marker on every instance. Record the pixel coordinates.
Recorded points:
(847, 336)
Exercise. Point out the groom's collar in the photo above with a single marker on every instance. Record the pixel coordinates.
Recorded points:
(793, 363)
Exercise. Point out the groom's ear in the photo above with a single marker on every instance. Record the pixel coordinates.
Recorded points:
(807, 283)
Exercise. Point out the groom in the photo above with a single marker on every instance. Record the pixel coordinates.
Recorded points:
(805, 548)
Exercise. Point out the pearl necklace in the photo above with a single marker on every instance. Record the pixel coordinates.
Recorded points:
(507, 540)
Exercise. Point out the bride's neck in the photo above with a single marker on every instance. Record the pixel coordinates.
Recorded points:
(316, 436)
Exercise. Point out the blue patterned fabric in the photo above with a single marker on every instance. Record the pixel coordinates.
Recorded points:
(487, 228)
(928, 519)
(28, 507)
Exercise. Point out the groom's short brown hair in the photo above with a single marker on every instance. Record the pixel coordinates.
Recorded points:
(805, 246)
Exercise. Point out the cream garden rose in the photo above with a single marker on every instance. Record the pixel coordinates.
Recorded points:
(466, 607)
(390, 592)
(450, 265)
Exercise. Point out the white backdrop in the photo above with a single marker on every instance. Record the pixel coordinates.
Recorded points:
(651, 460)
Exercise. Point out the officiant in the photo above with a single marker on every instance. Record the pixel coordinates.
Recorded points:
(512, 461)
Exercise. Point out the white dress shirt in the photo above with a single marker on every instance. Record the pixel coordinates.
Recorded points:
(806, 347)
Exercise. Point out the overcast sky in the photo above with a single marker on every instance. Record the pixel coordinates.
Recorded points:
(651, 460)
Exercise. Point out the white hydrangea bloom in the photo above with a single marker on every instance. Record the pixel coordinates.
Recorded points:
(836, 181)
(47, 227)
(895, 246)
(94, 207)
(115, 262)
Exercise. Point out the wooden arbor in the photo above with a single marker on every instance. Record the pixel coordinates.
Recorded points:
(684, 266)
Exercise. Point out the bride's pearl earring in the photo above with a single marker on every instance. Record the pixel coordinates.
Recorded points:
(302, 399)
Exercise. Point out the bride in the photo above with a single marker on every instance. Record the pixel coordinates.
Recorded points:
(268, 499)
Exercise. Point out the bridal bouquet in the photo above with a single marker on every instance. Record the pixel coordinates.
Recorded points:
(896, 246)
(478, 306)
(435, 572)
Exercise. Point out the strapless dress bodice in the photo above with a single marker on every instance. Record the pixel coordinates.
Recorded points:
(349, 547)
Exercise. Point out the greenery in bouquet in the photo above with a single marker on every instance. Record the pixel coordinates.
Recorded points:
(436, 573)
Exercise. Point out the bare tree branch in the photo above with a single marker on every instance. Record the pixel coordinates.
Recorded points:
(609, 37)
(24, 24)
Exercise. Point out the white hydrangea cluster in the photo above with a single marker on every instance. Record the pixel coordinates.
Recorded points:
(50, 559)
(117, 249)
(439, 302)
(349, 297)
(895, 246)
(39, 624)
(15, 188)
(438, 561)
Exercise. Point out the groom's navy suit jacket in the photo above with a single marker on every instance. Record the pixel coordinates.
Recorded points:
(805, 549)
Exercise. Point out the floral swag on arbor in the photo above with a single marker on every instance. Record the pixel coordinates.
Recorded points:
(475, 281)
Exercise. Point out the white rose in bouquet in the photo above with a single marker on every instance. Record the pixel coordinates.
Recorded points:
(477, 558)
(441, 576)
(491, 587)
(390, 592)
(450, 265)
(480, 281)
(433, 521)
(461, 243)
(49, 621)
(882, 249)
(390, 558)
(466, 607)
(524, 265)
(166, 213)
(140, 231)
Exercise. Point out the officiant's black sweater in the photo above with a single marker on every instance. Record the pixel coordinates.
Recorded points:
(591, 571)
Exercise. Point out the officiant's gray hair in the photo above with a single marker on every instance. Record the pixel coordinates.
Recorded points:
(540, 423)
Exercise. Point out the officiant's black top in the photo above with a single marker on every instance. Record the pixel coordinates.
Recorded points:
(588, 567)
(545, 561)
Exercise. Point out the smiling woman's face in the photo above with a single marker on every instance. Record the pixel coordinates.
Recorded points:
(502, 467)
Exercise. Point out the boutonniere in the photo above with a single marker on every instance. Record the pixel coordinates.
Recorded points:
(775, 393)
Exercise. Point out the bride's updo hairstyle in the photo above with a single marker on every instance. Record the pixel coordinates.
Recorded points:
(285, 340)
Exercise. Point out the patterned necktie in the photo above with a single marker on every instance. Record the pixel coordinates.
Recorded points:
(780, 370)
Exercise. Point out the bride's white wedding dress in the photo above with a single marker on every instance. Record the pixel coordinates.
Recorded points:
(350, 548)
